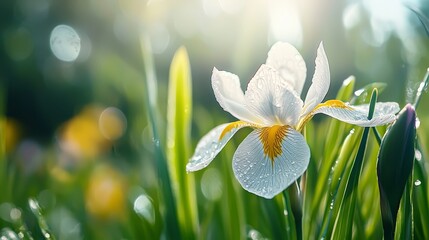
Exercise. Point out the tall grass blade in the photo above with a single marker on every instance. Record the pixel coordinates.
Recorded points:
(420, 195)
(333, 142)
(423, 19)
(290, 225)
(404, 228)
(336, 190)
(170, 216)
(422, 88)
(178, 142)
(395, 162)
(2, 144)
(35, 209)
(344, 225)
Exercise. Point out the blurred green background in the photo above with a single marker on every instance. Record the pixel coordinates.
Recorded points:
(77, 134)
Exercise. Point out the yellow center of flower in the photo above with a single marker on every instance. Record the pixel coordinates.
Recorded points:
(271, 138)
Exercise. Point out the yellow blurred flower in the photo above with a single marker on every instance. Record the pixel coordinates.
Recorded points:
(105, 194)
(81, 137)
(92, 131)
(12, 134)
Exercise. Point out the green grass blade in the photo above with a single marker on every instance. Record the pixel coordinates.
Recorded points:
(422, 88)
(404, 229)
(35, 208)
(395, 162)
(344, 225)
(289, 218)
(423, 19)
(363, 95)
(341, 168)
(331, 148)
(3, 145)
(170, 216)
(178, 142)
(420, 195)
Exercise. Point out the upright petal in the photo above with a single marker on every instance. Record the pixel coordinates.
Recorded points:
(228, 93)
(320, 83)
(289, 63)
(384, 112)
(211, 144)
(271, 99)
(266, 172)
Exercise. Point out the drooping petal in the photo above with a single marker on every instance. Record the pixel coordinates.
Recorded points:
(320, 83)
(211, 144)
(289, 63)
(228, 93)
(271, 99)
(270, 159)
(384, 112)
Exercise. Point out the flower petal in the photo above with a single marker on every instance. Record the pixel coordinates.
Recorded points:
(320, 83)
(228, 93)
(266, 177)
(384, 112)
(211, 144)
(289, 63)
(271, 99)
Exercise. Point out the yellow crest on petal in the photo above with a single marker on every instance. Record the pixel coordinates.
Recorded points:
(332, 103)
(271, 138)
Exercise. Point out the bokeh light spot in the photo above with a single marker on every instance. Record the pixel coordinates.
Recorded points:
(112, 123)
(18, 44)
(65, 43)
(211, 185)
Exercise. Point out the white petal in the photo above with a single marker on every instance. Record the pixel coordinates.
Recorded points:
(259, 175)
(271, 99)
(320, 83)
(289, 63)
(228, 93)
(211, 144)
(384, 113)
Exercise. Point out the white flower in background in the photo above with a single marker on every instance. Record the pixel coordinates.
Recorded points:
(275, 153)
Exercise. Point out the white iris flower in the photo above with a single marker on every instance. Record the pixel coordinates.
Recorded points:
(275, 153)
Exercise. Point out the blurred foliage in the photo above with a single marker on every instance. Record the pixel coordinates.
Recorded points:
(81, 142)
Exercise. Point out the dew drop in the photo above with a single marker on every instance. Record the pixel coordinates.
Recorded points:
(417, 183)
(418, 155)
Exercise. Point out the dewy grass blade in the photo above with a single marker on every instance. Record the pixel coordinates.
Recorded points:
(420, 195)
(289, 218)
(179, 112)
(423, 19)
(344, 224)
(341, 168)
(395, 162)
(422, 88)
(170, 217)
(333, 141)
(404, 229)
(35, 208)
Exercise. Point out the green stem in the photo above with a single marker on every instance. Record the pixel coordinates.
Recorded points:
(422, 87)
